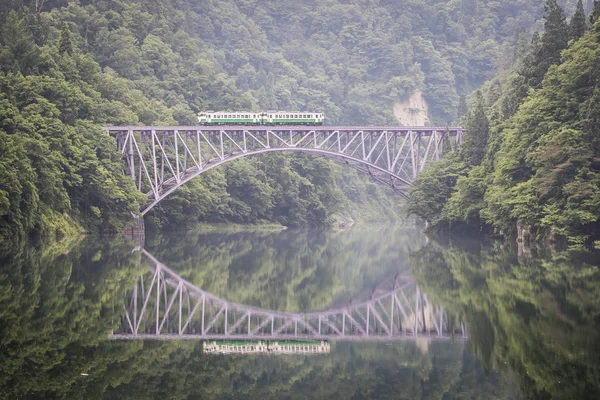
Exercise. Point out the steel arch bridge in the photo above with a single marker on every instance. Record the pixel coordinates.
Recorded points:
(162, 305)
(160, 159)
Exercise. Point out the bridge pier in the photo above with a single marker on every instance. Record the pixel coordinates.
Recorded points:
(136, 232)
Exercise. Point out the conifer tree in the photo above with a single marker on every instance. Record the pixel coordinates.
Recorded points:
(577, 24)
(65, 45)
(595, 12)
(554, 40)
(462, 107)
(21, 53)
(591, 121)
(475, 141)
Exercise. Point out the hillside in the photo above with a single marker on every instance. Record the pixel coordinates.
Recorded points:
(529, 167)
(68, 67)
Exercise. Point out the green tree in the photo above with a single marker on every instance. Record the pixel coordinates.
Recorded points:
(595, 13)
(433, 188)
(547, 51)
(577, 25)
(19, 52)
(463, 109)
(475, 139)
(554, 40)
(65, 46)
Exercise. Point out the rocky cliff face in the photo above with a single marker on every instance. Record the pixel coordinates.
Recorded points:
(414, 111)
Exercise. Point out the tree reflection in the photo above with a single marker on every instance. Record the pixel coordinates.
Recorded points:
(534, 321)
(534, 317)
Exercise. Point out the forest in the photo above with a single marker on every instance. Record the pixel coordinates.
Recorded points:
(68, 67)
(529, 167)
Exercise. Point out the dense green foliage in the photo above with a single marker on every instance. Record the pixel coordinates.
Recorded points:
(54, 160)
(540, 177)
(292, 191)
(67, 67)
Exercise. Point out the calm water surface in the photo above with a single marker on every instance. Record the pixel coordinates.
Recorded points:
(494, 323)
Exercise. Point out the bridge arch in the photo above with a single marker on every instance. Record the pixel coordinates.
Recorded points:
(161, 159)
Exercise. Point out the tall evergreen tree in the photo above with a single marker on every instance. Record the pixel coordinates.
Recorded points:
(577, 24)
(20, 54)
(554, 40)
(544, 51)
(475, 141)
(595, 12)
(65, 44)
(462, 107)
(591, 121)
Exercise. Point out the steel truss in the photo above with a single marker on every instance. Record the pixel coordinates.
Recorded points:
(163, 305)
(160, 159)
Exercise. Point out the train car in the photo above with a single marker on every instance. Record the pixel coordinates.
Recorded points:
(230, 118)
(293, 118)
(261, 118)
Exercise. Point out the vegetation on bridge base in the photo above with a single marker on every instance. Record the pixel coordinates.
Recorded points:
(540, 177)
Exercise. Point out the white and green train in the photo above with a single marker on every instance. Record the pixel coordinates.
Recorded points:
(261, 118)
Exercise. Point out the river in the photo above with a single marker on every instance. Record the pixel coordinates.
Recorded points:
(394, 316)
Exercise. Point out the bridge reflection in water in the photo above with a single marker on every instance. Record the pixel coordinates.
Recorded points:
(162, 305)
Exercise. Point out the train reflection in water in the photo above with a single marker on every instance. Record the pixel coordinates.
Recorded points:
(268, 347)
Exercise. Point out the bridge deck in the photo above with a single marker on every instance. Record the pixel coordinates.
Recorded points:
(288, 128)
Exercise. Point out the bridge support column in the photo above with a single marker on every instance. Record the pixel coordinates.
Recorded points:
(136, 232)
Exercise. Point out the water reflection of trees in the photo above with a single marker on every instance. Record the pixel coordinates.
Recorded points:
(290, 270)
(56, 310)
(535, 318)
